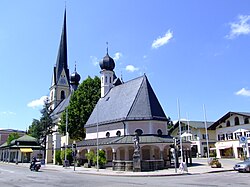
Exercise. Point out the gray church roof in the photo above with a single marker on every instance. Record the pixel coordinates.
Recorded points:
(62, 62)
(60, 108)
(133, 100)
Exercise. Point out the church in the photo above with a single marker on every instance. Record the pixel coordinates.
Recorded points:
(123, 110)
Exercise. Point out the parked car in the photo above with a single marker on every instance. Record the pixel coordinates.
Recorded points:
(243, 166)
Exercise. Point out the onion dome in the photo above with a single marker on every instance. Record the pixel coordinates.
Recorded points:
(107, 63)
(75, 79)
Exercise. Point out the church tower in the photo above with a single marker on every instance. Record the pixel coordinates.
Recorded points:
(107, 66)
(60, 86)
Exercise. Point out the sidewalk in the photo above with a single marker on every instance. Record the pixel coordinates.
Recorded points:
(200, 166)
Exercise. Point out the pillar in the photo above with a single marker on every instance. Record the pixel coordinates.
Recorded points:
(126, 153)
(113, 153)
(49, 156)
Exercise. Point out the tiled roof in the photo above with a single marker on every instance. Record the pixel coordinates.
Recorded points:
(60, 108)
(144, 139)
(226, 116)
(194, 124)
(133, 100)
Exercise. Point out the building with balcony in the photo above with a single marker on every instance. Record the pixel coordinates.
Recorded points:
(195, 132)
(232, 135)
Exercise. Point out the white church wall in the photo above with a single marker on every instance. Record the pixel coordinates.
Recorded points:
(91, 132)
(148, 127)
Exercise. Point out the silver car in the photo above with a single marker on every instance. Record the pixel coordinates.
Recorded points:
(243, 166)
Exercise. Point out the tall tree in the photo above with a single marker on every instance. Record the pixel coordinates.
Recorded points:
(12, 136)
(36, 129)
(81, 105)
(40, 128)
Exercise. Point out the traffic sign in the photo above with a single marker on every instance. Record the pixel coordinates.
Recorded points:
(243, 139)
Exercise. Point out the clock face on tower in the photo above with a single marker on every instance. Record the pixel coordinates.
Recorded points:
(62, 80)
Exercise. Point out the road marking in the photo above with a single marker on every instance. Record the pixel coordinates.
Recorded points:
(5, 170)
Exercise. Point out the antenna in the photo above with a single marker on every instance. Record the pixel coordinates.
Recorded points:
(107, 47)
(121, 77)
(75, 66)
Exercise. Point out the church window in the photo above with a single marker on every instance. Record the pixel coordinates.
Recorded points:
(118, 133)
(236, 121)
(246, 120)
(139, 132)
(248, 134)
(108, 134)
(228, 123)
(62, 95)
(159, 132)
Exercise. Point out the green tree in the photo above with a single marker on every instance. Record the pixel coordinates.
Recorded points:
(12, 136)
(36, 129)
(81, 105)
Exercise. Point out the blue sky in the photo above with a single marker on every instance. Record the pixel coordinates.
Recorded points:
(196, 51)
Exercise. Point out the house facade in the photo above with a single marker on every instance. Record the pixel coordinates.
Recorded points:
(21, 150)
(231, 129)
(195, 132)
(4, 133)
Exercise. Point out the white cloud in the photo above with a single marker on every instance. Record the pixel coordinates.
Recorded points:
(117, 56)
(38, 102)
(7, 113)
(160, 41)
(243, 92)
(241, 27)
(131, 68)
(94, 60)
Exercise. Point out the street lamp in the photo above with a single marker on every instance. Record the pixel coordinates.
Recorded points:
(17, 144)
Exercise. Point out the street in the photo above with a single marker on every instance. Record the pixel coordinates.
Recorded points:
(15, 176)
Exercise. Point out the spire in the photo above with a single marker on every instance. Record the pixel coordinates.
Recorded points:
(62, 61)
(107, 47)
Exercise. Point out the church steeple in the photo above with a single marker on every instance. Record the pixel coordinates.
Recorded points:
(62, 58)
(60, 87)
(107, 66)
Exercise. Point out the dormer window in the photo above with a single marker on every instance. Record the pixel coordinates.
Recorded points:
(246, 121)
(228, 123)
(236, 121)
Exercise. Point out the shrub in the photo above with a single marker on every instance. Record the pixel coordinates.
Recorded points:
(215, 163)
(91, 156)
(58, 159)
(69, 156)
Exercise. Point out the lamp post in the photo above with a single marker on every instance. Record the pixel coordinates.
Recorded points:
(97, 139)
(17, 144)
(205, 119)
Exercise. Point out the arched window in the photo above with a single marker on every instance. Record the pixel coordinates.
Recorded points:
(228, 123)
(159, 132)
(236, 121)
(220, 126)
(246, 120)
(62, 95)
(107, 134)
(139, 132)
(118, 133)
